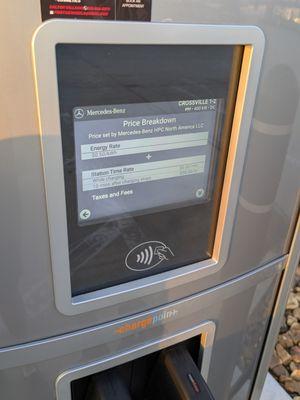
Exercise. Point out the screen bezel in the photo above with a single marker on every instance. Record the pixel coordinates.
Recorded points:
(44, 42)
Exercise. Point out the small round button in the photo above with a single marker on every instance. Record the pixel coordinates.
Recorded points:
(85, 214)
(200, 193)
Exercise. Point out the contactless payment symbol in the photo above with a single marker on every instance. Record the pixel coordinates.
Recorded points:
(148, 255)
(78, 113)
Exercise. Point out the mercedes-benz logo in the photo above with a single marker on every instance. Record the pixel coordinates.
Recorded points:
(79, 113)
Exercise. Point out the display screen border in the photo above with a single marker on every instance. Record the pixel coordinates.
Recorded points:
(44, 43)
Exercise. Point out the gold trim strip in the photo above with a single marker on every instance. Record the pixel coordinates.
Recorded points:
(236, 125)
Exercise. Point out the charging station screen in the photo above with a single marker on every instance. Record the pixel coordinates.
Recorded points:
(145, 132)
(132, 157)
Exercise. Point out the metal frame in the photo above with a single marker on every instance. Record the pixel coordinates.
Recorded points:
(188, 309)
(278, 312)
(44, 59)
(206, 330)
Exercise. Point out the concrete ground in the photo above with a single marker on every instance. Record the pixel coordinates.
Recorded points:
(273, 391)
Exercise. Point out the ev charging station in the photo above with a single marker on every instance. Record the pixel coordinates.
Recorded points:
(149, 210)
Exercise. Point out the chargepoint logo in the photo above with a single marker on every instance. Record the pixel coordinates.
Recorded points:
(148, 255)
(147, 322)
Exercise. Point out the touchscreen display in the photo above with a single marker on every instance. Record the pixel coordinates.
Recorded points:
(127, 154)
(145, 131)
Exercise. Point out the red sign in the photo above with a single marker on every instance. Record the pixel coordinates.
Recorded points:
(83, 9)
(126, 10)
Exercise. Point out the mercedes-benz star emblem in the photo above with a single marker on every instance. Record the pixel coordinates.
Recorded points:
(79, 113)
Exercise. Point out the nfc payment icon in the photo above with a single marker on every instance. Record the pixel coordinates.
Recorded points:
(148, 255)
